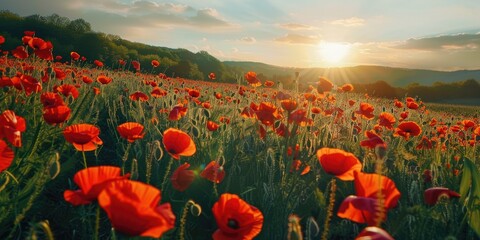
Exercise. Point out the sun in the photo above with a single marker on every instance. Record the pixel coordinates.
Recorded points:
(332, 52)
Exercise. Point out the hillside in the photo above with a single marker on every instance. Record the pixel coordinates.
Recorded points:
(397, 77)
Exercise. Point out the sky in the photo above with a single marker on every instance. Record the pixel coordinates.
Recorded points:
(420, 34)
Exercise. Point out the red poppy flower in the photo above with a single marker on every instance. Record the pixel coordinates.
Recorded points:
(194, 93)
(213, 172)
(339, 163)
(387, 120)
(67, 90)
(269, 83)
(412, 105)
(45, 53)
(252, 79)
(133, 209)
(103, 79)
(403, 115)
(282, 130)
(407, 129)
(2, 39)
(373, 140)
(59, 74)
(136, 65)
(366, 110)
(138, 96)
(212, 126)
(27, 83)
(182, 177)
(50, 99)
(224, 119)
(467, 124)
(178, 143)
(6, 156)
(75, 56)
(267, 113)
(177, 112)
(347, 87)
(369, 184)
(432, 195)
(299, 117)
(56, 115)
(358, 209)
(11, 127)
(212, 76)
(98, 63)
(289, 104)
(131, 131)
(37, 43)
(91, 182)
(121, 62)
(19, 52)
(316, 110)
(5, 81)
(155, 63)
(158, 92)
(398, 104)
(84, 137)
(351, 102)
(324, 85)
(96, 90)
(236, 219)
(374, 233)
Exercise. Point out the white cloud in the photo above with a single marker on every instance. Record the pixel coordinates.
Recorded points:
(349, 22)
(296, 26)
(298, 39)
(248, 39)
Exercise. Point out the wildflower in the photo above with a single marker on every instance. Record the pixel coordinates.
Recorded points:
(213, 172)
(67, 90)
(366, 110)
(138, 96)
(6, 156)
(177, 112)
(98, 63)
(269, 83)
(155, 63)
(387, 120)
(182, 177)
(212, 126)
(338, 163)
(236, 219)
(136, 65)
(369, 184)
(104, 79)
(252, 79)
(372, 141)
(177, 143)
(407, 129)
(84, 137)
(56, 114)
(432, 195)
(374, 233)
(347, 87)
(212, 76)
(11, 127)
(133, 209)
(75, 56)
(91, 182)
(131, 131)
(358, 209)
(324, 85)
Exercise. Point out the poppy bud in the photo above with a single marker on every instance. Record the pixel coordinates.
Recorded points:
(195, 209)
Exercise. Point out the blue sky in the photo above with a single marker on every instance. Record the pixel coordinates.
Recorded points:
(431, 34)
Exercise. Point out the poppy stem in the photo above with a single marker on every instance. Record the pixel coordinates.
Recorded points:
(165, 177)
(97, 223)
(333, 189)
(183, 220)
(125, 158)
(84, 158)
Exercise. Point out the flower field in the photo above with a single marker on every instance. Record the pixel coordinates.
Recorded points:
(89, 151)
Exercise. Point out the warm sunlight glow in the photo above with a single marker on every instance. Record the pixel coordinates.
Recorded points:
(332, 52)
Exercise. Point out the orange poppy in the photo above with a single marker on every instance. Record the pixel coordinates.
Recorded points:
(236, 219)
(373, 232)
(11, 127)
(213, 172)
(37, 43)
(432, 195)
(6, 156)
(59, 74)
(182, 177)
(212, 126)
(347, 87)
(212, 76)
(403, 115)
(103, 79)
(316, 110)
(373, 140)
(177, 112)
(324, 85)
(131, 131)
(133, 209)
(369, 184)
(83, 136)
(282, 130)
(407, 130)
(387, 120)
(289, 104)
(67, 90)
(424, 143)
(177, 143)
(398, 104)
(27, 83)
(87, 79)
(267, 113)
(158, 92)
(155, 63)
(75, 56)
(138, 96)
(136, 65)
(358, 209)
(45, 53)
(467, 124)
(96, 90)
(252, 79)
(218, 95)
(269, 83)
(299, 117)
(194, 93)
(91, 182)
(366, 110)
(351, 102)
(339, 163)
(56, 115)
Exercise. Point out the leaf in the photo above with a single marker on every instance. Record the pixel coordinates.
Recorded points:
(466, 180)
(54, 168)
(474, 218)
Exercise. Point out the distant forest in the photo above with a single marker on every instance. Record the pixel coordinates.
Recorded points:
(77, 35)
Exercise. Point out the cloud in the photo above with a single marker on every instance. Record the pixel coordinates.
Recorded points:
(446, 42)
(248, 39)
(298, 39)
(296, 26)
(349, 22)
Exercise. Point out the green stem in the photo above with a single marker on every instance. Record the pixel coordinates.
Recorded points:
(97, 223)
(84, 158)
(183, 220)
(165, 177)
(12, 176)
(125, 158)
